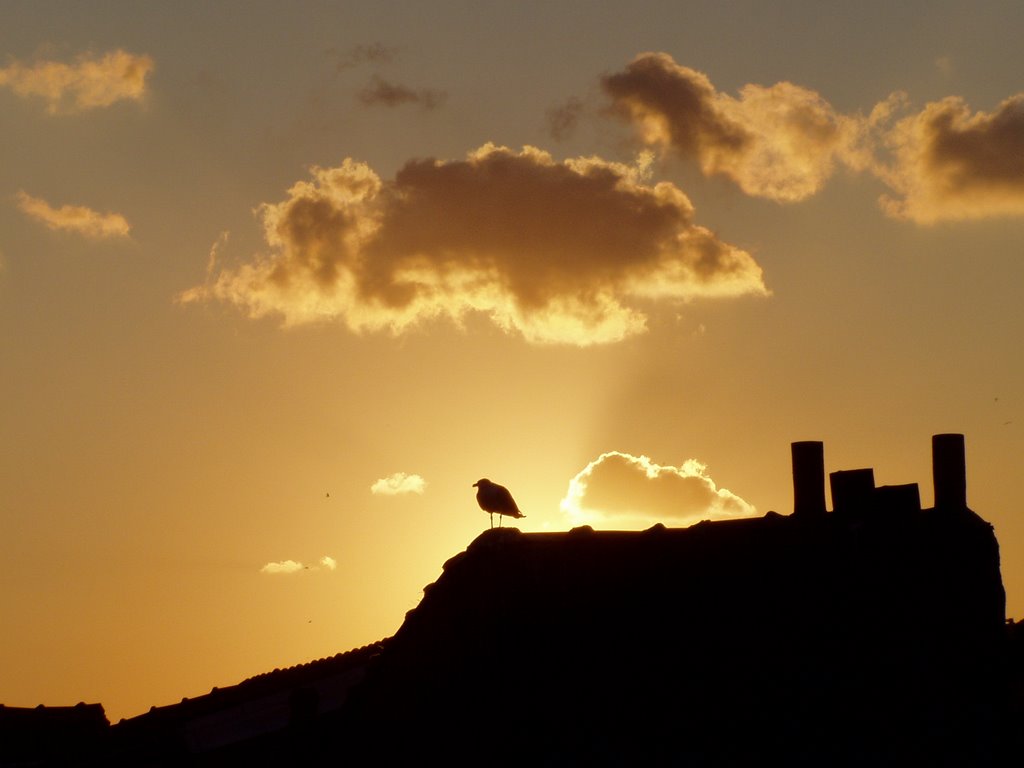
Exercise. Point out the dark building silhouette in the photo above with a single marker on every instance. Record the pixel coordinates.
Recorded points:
(52, 735)
(871, 635)
(874, 634)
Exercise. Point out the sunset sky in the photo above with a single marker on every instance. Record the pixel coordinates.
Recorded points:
(280, 281)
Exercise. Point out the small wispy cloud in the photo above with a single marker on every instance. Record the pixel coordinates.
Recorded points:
(563, 118)
(74, 218)
(283, 566)
(374, 53)
(385, 93)
(89, 82)
(945, 65)
(399, 483)
(326, 562)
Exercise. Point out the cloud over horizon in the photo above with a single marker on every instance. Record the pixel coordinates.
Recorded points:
(399, 483)
(780, 142)
(567, 252)
(293, 566)
(88, 83)
(618, 490)
(74, 218)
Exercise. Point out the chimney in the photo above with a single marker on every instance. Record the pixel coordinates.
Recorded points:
(894, 500)
(808, 478)
(949, 471)
(852, 490)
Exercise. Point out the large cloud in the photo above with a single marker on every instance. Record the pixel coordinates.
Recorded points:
(74, 218)
(950, 163)
(88, 83)
(617, 490)
(563, 252)
(781, 142)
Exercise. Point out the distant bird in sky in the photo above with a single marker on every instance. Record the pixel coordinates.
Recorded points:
(495, 498)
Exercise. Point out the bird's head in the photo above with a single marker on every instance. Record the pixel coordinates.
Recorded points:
(481, 482)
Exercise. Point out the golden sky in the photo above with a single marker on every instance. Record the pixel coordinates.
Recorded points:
(280, 281)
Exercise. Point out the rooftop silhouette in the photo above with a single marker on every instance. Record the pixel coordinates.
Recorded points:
(871, 634)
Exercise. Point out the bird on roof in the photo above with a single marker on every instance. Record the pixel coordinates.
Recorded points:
(495, 498)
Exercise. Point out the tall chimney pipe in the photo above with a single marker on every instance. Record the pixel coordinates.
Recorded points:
(949, 471)
(808, 478)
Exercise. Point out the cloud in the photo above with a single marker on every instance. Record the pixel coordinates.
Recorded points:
(399, 483)
(617, 490)
(783, 142)
(284, 566)
(387, 94)
(563, 118)
(952, 164)
(292, 566)
(88, 83)
(559, 252)
(74, 218)
(219, 244)
(780, 142)
(375, 53)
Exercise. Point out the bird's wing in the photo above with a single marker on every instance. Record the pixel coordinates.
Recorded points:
(505, 501)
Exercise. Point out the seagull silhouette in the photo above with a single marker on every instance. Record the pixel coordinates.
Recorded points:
(495, 498)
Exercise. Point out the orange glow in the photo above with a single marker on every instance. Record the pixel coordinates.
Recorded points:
(239, 293)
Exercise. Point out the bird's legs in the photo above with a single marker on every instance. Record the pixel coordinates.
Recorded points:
(492, 518)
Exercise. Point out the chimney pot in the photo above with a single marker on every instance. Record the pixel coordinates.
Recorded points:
(949, 471)
(852, 490)
(808, 478)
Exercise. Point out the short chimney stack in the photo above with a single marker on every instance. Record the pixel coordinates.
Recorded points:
(852, 490)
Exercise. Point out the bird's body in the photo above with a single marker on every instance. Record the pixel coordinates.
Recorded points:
(494, 498)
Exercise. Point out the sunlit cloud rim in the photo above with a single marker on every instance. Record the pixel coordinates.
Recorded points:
(716, 503)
